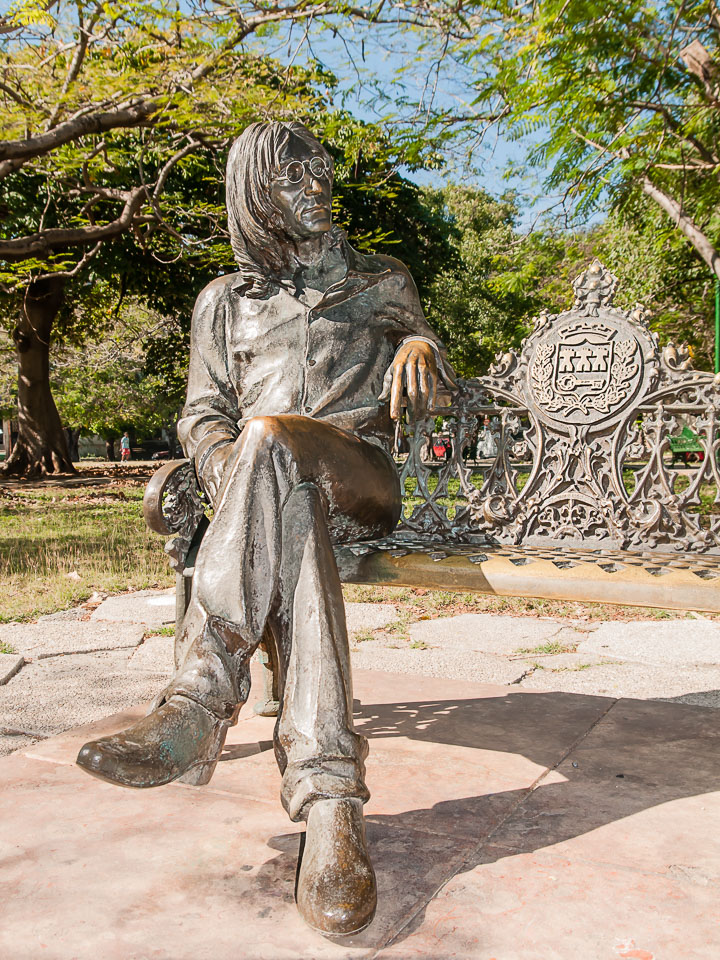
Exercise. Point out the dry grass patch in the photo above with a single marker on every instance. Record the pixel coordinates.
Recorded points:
(59, 544)
(428, 604)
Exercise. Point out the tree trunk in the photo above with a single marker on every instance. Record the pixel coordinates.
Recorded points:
(110, 449)
(685, 223)
(72, 436)
(41, 447)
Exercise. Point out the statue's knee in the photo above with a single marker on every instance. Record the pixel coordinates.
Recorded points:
(266, 431)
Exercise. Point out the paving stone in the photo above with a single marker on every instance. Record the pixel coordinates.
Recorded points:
(702, 698)
(434, 662)
(9, 744)
(10, 664)
(677, 642)
(486, 633)
(478, 855)
(362, 617)
(154, 655)
(566, 661)
(38, 640)
(152, 607)
(74, 613)
(448, 761)
(539, 906)
(593, 864)
(57, 693)
(627, 680)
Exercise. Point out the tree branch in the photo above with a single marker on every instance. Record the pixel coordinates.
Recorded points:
(58, 238)
(84, 260)
(22, 150)
(707, 155)
(17, 97)
(44, 242)
(167, 168)
(684, 223)
(14, 153)
(75, 64)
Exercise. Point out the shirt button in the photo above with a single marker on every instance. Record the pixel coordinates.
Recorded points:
(308, 408)
(311, 363)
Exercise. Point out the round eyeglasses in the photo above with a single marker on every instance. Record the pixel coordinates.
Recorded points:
(294, 171)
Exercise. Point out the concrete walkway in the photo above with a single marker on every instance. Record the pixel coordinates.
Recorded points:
(525, 805)
(107, 655)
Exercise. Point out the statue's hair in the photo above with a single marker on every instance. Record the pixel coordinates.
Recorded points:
(257, 233)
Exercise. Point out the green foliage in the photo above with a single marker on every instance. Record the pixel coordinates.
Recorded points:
(113, 384)
(659, 270)
(613, 99)
(496, 277)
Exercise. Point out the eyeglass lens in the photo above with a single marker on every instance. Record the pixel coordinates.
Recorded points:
(295, 170)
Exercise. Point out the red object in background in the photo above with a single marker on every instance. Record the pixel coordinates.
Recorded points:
(441, 449)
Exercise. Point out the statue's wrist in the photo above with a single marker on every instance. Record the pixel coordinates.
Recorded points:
(210, 467)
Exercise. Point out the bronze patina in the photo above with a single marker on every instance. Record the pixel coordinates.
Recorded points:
(298, 365)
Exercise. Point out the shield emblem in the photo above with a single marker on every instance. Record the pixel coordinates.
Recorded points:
(583, 368)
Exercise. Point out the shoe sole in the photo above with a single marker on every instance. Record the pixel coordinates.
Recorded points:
(339, 936)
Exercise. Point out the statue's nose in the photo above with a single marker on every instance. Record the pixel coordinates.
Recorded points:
(313, 186)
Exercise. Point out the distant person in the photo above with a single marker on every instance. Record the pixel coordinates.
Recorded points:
(125, 447)
(487, 446)
(442, 448)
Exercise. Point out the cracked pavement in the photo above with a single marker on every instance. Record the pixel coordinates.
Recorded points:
(112, 653)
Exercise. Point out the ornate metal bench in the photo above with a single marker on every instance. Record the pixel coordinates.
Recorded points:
(580, 501)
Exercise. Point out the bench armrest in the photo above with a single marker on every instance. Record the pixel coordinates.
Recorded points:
(173, 503)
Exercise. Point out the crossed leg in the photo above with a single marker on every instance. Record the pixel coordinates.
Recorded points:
(292, 485)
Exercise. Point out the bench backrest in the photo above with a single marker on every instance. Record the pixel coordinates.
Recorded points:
(577, 452)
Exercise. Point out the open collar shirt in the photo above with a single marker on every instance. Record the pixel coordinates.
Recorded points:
(319, 355)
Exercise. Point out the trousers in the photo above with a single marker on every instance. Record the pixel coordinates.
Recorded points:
(291, 487)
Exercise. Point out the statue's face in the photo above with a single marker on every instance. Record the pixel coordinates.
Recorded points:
(301, 190)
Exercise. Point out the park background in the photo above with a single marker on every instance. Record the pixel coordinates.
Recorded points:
(497, 149)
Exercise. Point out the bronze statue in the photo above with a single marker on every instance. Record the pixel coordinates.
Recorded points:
(298, 362)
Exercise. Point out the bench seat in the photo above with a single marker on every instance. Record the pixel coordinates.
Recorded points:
(670, 581)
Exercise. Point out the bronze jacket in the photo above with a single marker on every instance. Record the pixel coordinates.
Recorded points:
(318, 355)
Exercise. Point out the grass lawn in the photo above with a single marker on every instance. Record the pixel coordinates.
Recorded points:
(61, 542)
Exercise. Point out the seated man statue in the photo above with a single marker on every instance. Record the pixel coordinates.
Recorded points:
(298, 362)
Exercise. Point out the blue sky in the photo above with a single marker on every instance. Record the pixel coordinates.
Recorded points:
(381, 72)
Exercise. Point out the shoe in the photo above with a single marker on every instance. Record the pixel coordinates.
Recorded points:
(181, 740)
(336, 891)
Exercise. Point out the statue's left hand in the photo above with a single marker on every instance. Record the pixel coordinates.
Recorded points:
(414, 370)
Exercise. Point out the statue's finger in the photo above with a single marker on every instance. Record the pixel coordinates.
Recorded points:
(411, 384)
(396, 396)
(428, 388)
(423, 392)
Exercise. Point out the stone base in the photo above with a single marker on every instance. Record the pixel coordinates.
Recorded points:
(504, 823)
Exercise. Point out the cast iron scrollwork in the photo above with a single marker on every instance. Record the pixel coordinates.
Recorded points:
(583, 419)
